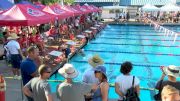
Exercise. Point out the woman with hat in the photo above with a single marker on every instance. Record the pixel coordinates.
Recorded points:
(70, 90)
(101, 93)
(172, 73)
(88, 76)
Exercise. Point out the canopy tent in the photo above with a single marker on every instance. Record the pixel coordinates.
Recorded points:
(5, 4)
(57, 11)
(114, 7)
(71, 9)
(149, 7)
(24, 15)
(81, 9)
(96, 8)
(90, 8)
(170, 7)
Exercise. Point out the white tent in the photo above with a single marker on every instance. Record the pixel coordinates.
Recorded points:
(170, 7)
(149, 7)
(114, 7)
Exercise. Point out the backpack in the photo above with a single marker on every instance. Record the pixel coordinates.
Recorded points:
(131, 94)
(157, 96)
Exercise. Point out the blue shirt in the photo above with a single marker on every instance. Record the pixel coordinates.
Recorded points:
(28, 67)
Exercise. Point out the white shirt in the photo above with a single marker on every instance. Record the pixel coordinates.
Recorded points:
(125, 82)
(76, 22)
(89, 77)
(13, 47)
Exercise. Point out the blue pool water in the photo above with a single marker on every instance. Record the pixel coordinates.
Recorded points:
(146, 48)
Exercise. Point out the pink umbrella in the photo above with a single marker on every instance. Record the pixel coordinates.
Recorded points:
(24, 15)
(60, 13)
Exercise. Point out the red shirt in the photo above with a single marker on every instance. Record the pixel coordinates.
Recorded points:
(38, 38)
(52, 31)
(32, 39)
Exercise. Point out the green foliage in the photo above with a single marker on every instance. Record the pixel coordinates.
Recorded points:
(69, 1)
(46, 2)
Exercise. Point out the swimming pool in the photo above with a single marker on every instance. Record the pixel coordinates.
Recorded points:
(146, 48)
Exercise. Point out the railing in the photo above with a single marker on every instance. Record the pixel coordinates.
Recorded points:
(110, 84)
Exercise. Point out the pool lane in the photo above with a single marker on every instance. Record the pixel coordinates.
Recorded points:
(146, 48)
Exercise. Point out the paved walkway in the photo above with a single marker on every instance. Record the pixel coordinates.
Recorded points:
(13, 89)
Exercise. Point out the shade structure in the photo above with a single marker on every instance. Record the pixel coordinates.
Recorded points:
(98, 9)
(5, 4)
(170, 7)
(114, 7)
(81, 9)
(57, 11)
(68, 13)
(149, 7)
(24, 15)
(71, 9)
(90, 8)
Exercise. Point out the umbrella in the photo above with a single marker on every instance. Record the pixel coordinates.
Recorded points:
(170, 7)
(149, 7)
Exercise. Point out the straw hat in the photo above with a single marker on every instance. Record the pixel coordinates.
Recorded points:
(172, 70)
(95, 61)
(68, 71)
(13, 36)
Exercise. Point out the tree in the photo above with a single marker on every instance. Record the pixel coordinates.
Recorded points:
(69, 1)
(46, 2)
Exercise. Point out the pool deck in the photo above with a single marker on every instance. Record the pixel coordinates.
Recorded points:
(13, 92)
(132, 22)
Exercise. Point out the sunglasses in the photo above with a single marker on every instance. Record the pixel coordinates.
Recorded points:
(97, 72)
(49, 72)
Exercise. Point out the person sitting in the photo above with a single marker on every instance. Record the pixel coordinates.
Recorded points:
(53, 32)
(67, 51)
(2, 40)
(170, 93)
(40, 42)
(124, 82)
(32, 39)
(172, 72)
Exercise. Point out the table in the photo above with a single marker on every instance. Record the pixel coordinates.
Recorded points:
(80, 36)
(55, 53)
(71, 43)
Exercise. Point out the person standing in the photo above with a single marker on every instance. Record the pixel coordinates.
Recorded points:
(28, 66)
(38, 88)
(172, 72)
(2, 88)
(170, 93)
(69, 90)
(124, 82)
(89, 77)
(101, 93)
(15, 54)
